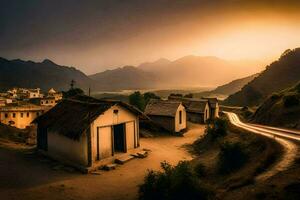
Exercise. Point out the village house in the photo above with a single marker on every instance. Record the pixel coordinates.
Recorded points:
(34, 93)
(86, 133)
(23, 93)
(170, 115)
(45, 101)
(12, 93)
(57, 95)
(5, 101)
(213, 107)
(198, 110)
(20, 116)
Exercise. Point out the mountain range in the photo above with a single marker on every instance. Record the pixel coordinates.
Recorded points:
(188, 71)
(281, 74)
(45, 75)
(199, 71)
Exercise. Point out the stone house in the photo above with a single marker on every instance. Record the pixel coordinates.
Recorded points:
(168, 114)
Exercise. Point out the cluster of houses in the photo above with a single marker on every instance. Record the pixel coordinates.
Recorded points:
(86, 132)
(173, 114)
(20, 106)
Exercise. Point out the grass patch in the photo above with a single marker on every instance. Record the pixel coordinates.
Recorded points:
(232, 157)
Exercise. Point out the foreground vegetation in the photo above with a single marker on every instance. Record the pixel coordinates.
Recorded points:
(227, 159)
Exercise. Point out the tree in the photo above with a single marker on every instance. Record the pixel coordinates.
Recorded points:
(73, 92)
(148, 96)
(136, 99)
(190, 95)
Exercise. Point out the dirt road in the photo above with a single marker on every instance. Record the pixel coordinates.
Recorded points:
(22, 176)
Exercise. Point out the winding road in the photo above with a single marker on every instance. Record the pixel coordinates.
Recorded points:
(284, 136)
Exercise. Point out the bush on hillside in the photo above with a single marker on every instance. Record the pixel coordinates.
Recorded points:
(231, 157)
(275, 96)
(291, 100)
(217, 128)
(200, 170)
(174, 182)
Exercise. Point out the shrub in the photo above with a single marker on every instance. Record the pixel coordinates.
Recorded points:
(215, 130)
(290, 100)
(174, 182)
(218, 128)
(275, 96)
(231, 157)
(200, 170)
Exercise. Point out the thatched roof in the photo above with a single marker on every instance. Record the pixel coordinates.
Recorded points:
(71, 117)
(162, 108)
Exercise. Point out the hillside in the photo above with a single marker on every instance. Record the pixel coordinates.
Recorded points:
(199, 71)
(279, 75)
(229, 88)
(46, 74)
(280, 109)
(127, 77)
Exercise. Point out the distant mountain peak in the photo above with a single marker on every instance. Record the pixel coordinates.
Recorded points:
(49, 62)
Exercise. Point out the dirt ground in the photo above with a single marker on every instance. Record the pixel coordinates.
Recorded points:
(24, 176)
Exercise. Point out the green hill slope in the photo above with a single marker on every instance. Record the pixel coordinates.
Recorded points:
(279, 75)
(281, 109)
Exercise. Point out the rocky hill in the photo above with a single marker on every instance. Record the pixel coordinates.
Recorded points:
(45, 75)
(280, 109)
(281, 74)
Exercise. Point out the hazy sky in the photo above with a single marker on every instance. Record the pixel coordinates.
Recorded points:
(97, 35)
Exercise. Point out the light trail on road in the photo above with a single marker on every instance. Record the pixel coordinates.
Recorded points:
(282, 136)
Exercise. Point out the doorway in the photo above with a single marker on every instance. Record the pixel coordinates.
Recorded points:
(119, 136)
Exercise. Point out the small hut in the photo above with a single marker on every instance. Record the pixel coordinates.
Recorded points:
(168, 114)
(213, 107)
(84, 131)
(198, 110)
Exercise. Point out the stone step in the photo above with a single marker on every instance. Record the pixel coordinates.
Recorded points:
(123, 159)
(109, 167)
(142, 154)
